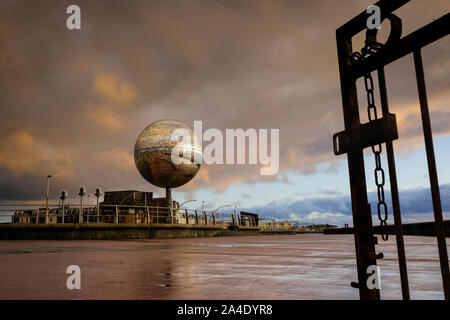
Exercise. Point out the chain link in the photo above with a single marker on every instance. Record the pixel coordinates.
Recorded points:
(377, 149)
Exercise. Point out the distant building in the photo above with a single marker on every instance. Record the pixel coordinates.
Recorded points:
(249, 219)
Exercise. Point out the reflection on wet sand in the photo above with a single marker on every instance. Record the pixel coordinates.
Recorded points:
(308, 266)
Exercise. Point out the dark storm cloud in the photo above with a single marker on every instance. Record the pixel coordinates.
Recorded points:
(11, 187)
(80, 98)
(413, 202)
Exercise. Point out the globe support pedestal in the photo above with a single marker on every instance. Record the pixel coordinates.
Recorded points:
(169, 202)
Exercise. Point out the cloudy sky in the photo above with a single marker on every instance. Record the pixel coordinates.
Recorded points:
(72, 103)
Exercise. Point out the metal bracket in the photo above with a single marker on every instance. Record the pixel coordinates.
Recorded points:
(370, 133)
(376, 256)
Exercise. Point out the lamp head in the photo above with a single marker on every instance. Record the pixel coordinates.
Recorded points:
(82, 191)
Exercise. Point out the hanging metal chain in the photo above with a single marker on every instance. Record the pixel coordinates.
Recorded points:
(376, 149)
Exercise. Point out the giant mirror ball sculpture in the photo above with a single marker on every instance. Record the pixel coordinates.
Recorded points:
(153, 155)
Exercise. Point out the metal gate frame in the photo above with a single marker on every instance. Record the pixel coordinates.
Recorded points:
(358, 136)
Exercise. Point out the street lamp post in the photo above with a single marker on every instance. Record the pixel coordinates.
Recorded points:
(187, 202)
(63, 197)
(81, 194)
(46, 198)
(98, 193)
(214, 212)
(187, 215)
(227, 205)
(88, 209)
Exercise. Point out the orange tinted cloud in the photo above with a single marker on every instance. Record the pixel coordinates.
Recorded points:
(111, 96)
(18, 153)
(114, 159)
(21, 154)
(104, 116)
(112, 90)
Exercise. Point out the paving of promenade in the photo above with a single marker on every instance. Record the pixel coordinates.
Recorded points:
(304, 266)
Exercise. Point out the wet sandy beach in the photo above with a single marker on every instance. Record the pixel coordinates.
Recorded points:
(304, 266)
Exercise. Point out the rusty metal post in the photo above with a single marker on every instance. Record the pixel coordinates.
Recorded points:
(196, 217)
(394, 190)
(187, 216)
(362, 216)
(432, 171)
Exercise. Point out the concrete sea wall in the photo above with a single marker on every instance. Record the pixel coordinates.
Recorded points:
(411, 229)
(108, 231)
